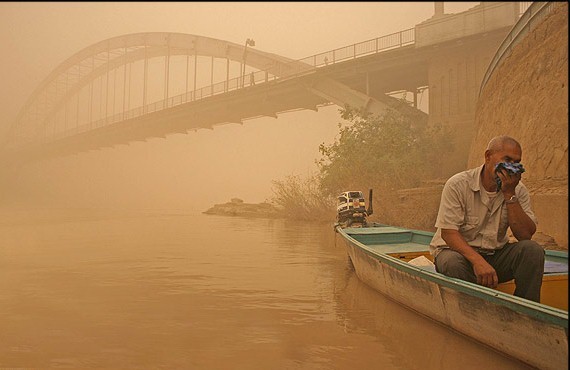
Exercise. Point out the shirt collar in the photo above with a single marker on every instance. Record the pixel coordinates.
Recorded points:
(475, 179)
(475, 185)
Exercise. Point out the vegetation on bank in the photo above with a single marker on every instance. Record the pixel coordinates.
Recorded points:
(385, 152)
(237, 207)
(303, 198)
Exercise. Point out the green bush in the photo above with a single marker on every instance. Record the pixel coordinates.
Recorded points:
(387, 152)
(390, 151)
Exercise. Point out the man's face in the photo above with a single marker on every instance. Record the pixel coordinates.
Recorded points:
(509, 153)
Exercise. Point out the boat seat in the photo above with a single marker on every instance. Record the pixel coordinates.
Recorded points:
(430, 268)
(550, 267)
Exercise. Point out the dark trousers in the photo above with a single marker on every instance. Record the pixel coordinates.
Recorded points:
(522, 261)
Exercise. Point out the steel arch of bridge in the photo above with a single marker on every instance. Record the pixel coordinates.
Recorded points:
(86, 66)
(36, 121)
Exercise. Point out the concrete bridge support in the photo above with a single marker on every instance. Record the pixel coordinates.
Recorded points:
(341, 95)
(462, 46)
(454, 78)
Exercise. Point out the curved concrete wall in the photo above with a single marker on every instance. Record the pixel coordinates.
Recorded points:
(527, 98)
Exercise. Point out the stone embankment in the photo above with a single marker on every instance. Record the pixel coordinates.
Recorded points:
(526, 98)
(236, 207)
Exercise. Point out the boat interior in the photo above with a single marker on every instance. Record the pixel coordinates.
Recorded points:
(413, 245)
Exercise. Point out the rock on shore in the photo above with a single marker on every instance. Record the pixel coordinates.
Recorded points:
(236, 207)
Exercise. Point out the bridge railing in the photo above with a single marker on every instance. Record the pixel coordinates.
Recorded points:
(295, 68)
(373, 46)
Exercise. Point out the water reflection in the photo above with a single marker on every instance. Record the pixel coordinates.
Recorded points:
(414, 341)
(144, 289)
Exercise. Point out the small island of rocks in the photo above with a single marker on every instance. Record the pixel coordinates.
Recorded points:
(236, 207)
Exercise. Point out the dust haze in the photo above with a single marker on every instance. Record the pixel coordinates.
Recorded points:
(183, 171)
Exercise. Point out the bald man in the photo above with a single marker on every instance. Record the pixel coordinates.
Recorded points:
(471, 241)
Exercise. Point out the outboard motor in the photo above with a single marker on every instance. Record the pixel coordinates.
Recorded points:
(351, 209)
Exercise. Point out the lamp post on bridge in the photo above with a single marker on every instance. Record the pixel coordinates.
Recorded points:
(249, 42)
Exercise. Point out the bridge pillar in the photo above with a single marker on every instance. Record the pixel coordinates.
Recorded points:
(438, 8)
(463, 45)
(454, 79)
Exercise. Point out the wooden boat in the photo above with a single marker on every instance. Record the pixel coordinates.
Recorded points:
(535, 333)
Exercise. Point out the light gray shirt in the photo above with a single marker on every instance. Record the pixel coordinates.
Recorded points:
(465, 206)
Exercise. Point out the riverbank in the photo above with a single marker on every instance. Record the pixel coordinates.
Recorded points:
(237, 207)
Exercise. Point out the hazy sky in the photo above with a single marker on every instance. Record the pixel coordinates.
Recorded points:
(229, 161)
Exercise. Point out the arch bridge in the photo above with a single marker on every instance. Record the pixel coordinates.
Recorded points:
(144, 85)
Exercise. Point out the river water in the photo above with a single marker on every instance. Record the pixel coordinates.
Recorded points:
(182, 290)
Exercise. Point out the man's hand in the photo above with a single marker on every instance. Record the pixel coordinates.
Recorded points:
(486, 274)
(509, 182)
(522, 226)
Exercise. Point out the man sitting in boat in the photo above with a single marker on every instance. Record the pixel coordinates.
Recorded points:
(477, 206)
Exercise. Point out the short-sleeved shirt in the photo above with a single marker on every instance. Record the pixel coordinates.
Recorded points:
(466, 207)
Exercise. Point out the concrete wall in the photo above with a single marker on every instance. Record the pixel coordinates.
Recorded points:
(485, 17)
(454, 78)
(527, 98)
(463, 44)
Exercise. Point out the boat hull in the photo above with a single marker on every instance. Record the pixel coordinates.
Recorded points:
(533, 333)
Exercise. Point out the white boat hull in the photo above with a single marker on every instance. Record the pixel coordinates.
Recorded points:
(503, 322)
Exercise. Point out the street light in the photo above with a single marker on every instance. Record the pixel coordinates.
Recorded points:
(250, 42)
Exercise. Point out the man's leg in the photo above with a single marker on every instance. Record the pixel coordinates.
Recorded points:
(452, 263)
(524, 262)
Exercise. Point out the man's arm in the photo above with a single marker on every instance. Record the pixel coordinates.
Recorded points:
(486, 274)
(522, 226)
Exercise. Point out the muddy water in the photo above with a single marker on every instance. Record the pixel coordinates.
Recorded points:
(178, 290)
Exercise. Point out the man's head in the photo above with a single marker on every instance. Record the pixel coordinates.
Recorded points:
(498, 142)
(502, 149)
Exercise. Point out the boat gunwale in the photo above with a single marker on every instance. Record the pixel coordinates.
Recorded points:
(537, 310)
